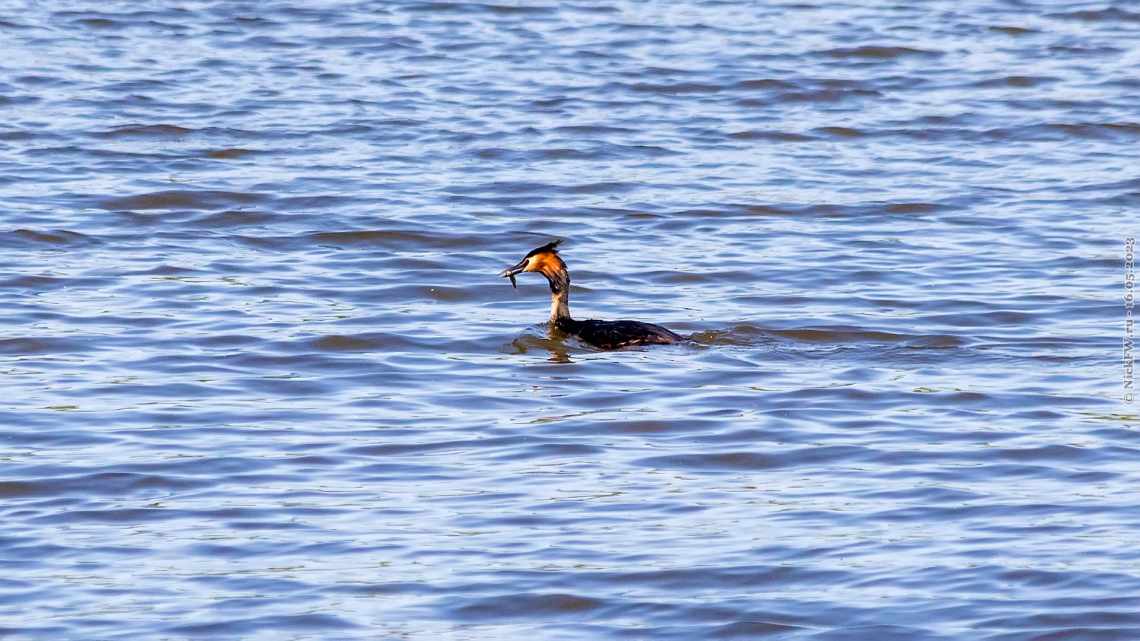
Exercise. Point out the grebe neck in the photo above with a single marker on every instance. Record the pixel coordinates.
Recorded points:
(559, 294)
(559, 306)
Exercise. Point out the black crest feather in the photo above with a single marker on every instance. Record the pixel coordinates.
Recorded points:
(551, 247)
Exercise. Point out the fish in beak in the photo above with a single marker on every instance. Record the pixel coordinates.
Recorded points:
(516, 269)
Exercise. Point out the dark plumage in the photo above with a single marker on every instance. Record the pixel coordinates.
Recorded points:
(599, 333)
(619, 333)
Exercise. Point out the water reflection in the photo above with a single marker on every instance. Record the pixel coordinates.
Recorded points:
(554, 343)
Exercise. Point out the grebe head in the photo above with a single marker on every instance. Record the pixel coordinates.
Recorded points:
(544, 260)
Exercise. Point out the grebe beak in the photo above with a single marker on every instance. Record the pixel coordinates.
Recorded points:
(511, 271)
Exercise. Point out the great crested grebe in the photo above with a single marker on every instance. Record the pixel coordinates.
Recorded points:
(599, 333)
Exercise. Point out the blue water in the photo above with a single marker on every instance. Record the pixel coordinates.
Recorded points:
(261, 380)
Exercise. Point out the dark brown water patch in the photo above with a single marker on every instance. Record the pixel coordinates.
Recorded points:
(766, 83)
(1076, 50)
(184, 199)
(593, 130)
(840, 132)
(1018, 82)
(118, 516)
(230, 153)
(144, 131)
(872, 52)
(1050, 132)
(523, 606)
(99, 23)
(770, 136)
(914, 208)
(35, 283)
(1013, 31)
(1110, 14)
(100, 484)
(58, 237)
(606, 187)
(937, 341)
(372, 342)
(676, 88)
(510, 9)
(491, 153)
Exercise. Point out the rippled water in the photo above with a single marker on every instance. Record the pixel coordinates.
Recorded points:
(262, 382)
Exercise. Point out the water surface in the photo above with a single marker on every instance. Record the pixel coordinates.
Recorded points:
(261, 380)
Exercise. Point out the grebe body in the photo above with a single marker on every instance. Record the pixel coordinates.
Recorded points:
(599, 333)
(619, 333)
